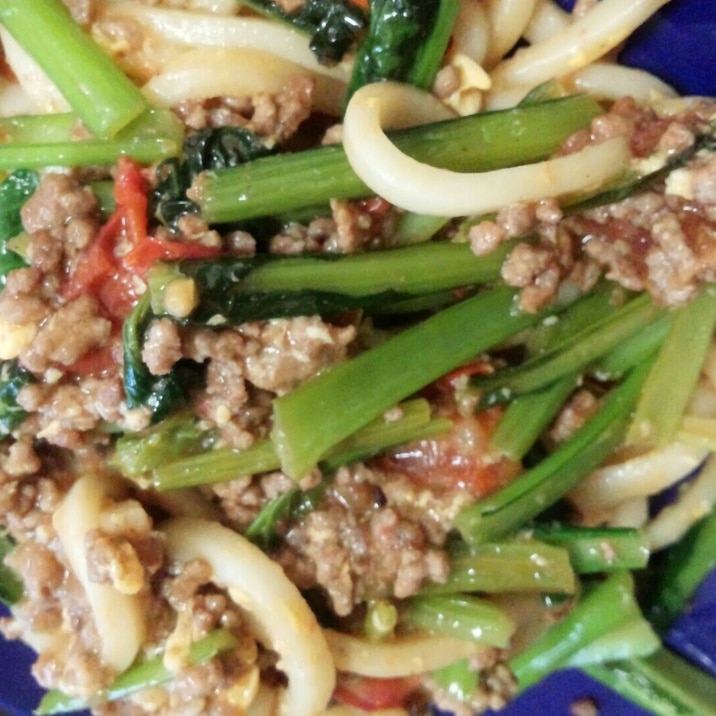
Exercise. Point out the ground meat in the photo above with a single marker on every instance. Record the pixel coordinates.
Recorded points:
(575, 413)
(80, 319)
(356, 546)
(276, 116)
(19, 301)
(59, 201)
(281, 353)
(162, 346)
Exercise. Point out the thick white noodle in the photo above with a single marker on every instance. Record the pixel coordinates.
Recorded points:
(211, 30)
(695, 502)
(547, 19)
(508, 20)
(207, 72)
(611, 81)
(279, 615)
(414, 186)
(404, 656)
(118, 617)
(578, 45)
(471, 33)
(640, 476)
(45, 97)
(632, 513)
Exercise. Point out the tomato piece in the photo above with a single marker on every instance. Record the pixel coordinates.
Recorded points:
(460, 459)
(152, 249)
(372, 694)
(130, 195)
(112, 279)
(95, 363)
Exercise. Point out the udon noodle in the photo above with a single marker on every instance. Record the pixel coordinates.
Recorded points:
(209, 505)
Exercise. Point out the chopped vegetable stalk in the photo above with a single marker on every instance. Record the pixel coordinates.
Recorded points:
(634, 639)
(142, 675)
(49, 140)
(609, 605)
(662, 683)
(311, 419)
(463, 616)
(596, 549)
(583, 348)
(406, 42)
(527, 417)
(275, 185)
(11, 589)
(633, 351)
(224, 464)
(460, 679)
(414, 228)
(381, 619)
(211, 148)
(264, 529)
(507, 567)
(679, 571)
(675, 372)
(175, 437)
(101, 94)
(240, 290)
(538, 488)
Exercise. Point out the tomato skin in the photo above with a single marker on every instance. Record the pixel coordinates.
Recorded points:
(373, 694)
(113, 279)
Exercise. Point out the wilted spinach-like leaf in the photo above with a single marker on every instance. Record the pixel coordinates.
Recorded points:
(10, 584)
(160, 393)
(13, 378)
(334, 26)
(215, 148)
(14, 192)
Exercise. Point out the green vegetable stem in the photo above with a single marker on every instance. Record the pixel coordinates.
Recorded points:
(99, 92)
(287, 182)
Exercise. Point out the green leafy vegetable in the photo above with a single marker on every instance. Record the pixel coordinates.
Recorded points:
(264, 286)
(308, 421)
(406, 42)
(14, 192)
(144, 674)
(13, 378)
(37, 141)
(211, 148)
(463, 616)
(333, 25)
(662, 683)
(489, 140)
(160, 393)
(96, 88)
(537, 489)
(10, 583)
(607, 606)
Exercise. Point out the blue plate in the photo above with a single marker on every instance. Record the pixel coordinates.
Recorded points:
(679, 45)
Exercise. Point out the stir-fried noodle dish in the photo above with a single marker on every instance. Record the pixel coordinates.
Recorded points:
(354, 356)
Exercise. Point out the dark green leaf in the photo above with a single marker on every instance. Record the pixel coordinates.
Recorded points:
(14, 192)
(160, 393)
(10, 584)
(406, 42)
(333, 25)
(13, 377)
(217, 148)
